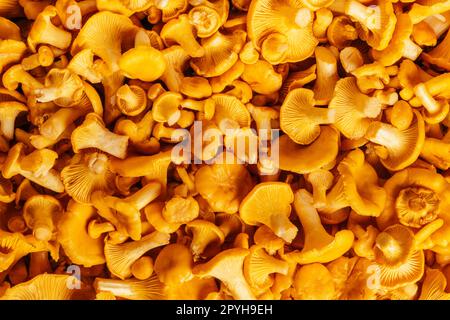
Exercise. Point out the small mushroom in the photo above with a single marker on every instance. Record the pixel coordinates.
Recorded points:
(121, 257)
(227, 267)
(259, 207)
(41, 213)
(319, 245)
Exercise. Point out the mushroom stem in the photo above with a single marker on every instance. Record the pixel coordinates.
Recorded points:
(125, 93)
(335, 199)
(411, 50)
(315, 233)
(359, 12)
(384, 134)
(39, 263)
(429, 103)
(145, 195)
(141, 166)
(96, 229)
(283, 227)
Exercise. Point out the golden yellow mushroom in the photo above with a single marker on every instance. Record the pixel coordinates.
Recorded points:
(319, 246)
(300, 119)
(327, 75)
(93, 134)
(44, 31)
(143, 62)
(398, 148)
(41, 213)
(74, 238)
(398, 262)
(132, 289)
(262, 77)
(290, 21)
(434, 286)
(415, 197)
(121, 257)
(173, 265)
(46, 287)
(259, 207)
(227, 267)
(354, 110)
(306, 159)
(314, 282)
(206, 238)
(365, 196)
(221, 52)
(106, 34)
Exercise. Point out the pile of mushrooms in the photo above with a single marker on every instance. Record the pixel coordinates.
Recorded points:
(96, 95)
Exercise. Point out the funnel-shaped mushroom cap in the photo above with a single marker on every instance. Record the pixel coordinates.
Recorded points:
(358, 184)
(180, 31)
(83, 64)
(206, 238)
(121, 257)
(393, 245)
(45, 287)
(354, 110)
(319, 245)
(221, 53)
(206, 19)
(93, 134)
(262, 77)
(44, 31)
(286, 17)
(143, 62)
(401, 45)
(439, 55)
(259, 267)
(434, 286)
(402, 146)
(265, 237)
(314, 282)
(229, 108)
(260, 207)
(170, 8)
(397, 262)
(415, 197)
(223, 185)
(41, 213)
(306, 159)
(11, 51)
(173, 265)
(74, 237)
(8, 114)
(132, 289)
(300, 119)
(227, 267)
(127, 216)
(87, 173)
(106, 33)
(176, 62)
(61, 86)
(13, 246)
(166, 108)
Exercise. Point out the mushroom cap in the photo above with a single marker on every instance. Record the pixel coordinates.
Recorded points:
(404, 147)
(166, 107)
(144, 63)
(87, 173)
(434, 286)
(223, 186)
(262, 77)
(176, 62)
(171, 9)
(173, 265)
(206, 237)
(153, 213)
(121, 257)
(306, 159)
(394, 245)
(394, 51)
(106, 33)
(409, 212)
(365, 196)
(299, 119)
(354, 110)
(287, 17)
(74, 238)
(230, 108)
(259, 207)
(44, 287)
(227, 266)
(314, 282)
(40, 213)
(132, 289)
(221, 53)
